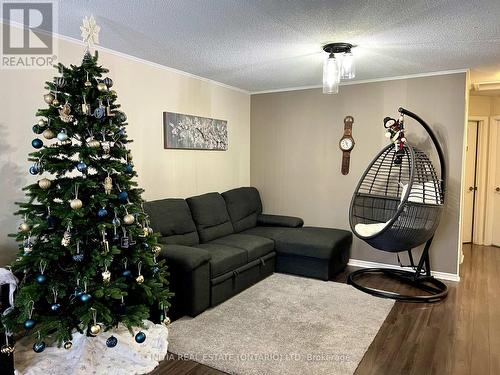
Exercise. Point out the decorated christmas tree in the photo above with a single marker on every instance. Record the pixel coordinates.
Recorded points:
(88, 257)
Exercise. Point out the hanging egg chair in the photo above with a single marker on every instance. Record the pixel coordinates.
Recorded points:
(396, 207)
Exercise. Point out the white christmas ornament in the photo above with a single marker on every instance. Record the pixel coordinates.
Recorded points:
(90, 32)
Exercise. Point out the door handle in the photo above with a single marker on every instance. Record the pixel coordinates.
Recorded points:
(471, 188)
(497, 189)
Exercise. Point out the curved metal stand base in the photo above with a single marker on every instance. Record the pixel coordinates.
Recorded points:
(436, 289)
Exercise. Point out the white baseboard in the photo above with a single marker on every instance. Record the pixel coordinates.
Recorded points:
(366, 264)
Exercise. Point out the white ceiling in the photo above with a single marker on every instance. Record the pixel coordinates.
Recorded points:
(259, 45)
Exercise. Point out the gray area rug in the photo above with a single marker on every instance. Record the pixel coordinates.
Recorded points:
(284, 325)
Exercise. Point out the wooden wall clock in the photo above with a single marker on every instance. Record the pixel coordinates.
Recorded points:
(346, 144)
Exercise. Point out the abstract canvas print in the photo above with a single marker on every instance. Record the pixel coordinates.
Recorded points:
(193, 132)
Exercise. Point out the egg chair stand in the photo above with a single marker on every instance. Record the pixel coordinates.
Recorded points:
(401, 194)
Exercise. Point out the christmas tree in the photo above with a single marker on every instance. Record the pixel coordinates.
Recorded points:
(88, 258)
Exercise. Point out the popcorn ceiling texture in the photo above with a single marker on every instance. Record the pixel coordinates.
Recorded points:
(263, 45)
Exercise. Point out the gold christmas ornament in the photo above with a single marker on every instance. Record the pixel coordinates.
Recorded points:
(108, 185)
(48, 98)
(139, 279)
(48, 134)
(106, 276)
(55, 102)
(102, 87)
(24, 227)
(95, 329)
(76, 204)
(166, 321)
(42, 122)
(129, 219)
(7, 349)
(64, 113)
(68, 345)
(94, 143)
(44, 183)
(156, 250)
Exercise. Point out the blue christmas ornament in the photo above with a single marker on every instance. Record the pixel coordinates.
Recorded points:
(99, 112)
(40, 279)
(126, 273)
(102, 212)
(145, 245)
(55, 307)
(37, 143)
(34, 170)
(38, 347)
(111, 342)
(129, 168)
(78, 257)
(37, 129)
(81, 166)
(29, 323)
(155, 269)
(122, 196)
(51, 221)
(140, 337)
(85, 297)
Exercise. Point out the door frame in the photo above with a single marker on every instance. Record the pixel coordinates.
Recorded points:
(491, 161)
(481, 212)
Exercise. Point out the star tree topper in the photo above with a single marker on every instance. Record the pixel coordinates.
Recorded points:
(90, 32)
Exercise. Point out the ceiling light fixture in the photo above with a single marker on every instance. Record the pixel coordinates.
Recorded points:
(338, 64)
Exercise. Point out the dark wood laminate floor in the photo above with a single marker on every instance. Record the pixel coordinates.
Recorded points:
(460, 335)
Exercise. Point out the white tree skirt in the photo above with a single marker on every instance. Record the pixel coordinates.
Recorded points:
(90, 355)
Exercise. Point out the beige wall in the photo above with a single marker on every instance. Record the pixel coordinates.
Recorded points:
(484, 105)
(144, 91)
(295, 159)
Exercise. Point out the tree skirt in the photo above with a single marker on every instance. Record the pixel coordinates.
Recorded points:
(90, 355)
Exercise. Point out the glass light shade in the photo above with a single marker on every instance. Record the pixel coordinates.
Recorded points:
(348, 70)
(331, 75)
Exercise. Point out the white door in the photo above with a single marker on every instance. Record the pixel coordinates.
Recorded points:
(495, 239)
(470, 177)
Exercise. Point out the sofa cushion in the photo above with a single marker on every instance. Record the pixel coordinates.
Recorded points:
(256, 247)
(224, 258)
(210, 216)
(243, 206)
(172, 219)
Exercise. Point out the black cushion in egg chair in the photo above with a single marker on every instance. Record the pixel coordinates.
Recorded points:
(396, 207)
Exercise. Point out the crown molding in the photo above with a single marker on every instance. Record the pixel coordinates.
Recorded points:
(363, 81)
(138, 59)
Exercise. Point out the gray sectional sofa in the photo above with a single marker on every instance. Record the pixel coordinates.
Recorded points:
(217, 245)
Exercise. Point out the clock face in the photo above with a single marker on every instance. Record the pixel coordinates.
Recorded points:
(346, 144)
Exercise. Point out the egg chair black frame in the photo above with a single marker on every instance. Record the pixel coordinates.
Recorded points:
(396, 207)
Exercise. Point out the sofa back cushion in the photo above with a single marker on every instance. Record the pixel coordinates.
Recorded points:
(210, 216)
(172, 218)
(243, 205)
